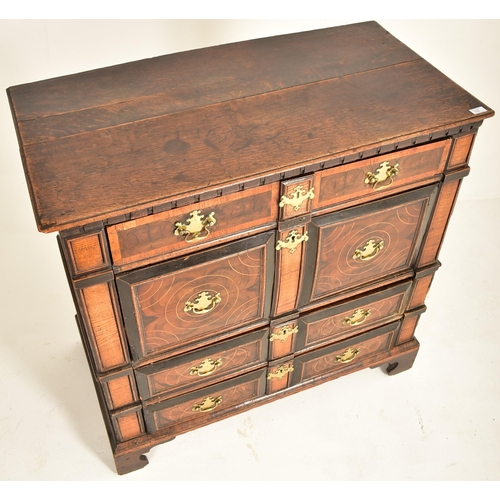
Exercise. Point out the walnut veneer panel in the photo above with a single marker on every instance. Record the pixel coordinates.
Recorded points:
(120, 391)
(152, 236)
(347, 184)
(461, 151)
(342, 354)
(156, 298)
(103, 326)
(206, 402)
(203, 366)
(394, 227)
(349, 318)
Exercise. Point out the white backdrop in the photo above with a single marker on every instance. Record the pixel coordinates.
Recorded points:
(50, 425)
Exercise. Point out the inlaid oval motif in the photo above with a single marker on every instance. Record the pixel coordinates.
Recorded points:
(191, 298)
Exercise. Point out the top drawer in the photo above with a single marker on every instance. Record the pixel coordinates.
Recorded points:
(193, 227)
(374, 177)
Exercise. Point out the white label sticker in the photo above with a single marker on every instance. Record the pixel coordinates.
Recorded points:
(478, 110)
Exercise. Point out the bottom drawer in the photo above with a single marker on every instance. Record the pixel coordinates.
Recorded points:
(200, 407)
(344, 355)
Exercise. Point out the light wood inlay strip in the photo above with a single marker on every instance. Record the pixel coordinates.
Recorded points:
(87, 253)
(419, 293)
(129, 426)
(461, 151)
(120, 391)
(407, 329)
(104, 328)
(439, 221)
(289, 271)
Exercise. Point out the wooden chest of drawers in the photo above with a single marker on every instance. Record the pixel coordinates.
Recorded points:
(243, 222)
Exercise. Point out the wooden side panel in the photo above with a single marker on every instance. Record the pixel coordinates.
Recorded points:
(129, 424)
(120, 391)
(153, 237)
(347, 184)
(105, 334)
(408, 326)
(288, 270)
(461, 150)
(420, 290)
(444, 207)
(86, 253)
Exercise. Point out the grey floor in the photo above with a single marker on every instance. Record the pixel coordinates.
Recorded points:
(439, 421)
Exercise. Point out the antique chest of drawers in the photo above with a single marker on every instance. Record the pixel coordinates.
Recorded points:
(242, 222)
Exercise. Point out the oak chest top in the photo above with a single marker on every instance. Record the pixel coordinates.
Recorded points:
(108, 142)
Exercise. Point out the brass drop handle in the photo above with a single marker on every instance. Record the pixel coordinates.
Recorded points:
(369, 250)
(347, 356)
(208, 404)
(383, 176)
(203, 304)
(196, 226)
(206, 367)
(297, 197)
(357, 317)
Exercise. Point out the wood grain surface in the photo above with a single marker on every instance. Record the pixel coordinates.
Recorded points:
(397, 222)
(325, 360)
(346, 184)
(229, 394)
(155, 298)
(177, 375)
(280, 117)
(154, 236)
(328, 324)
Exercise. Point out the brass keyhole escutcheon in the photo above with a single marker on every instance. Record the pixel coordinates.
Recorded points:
(206, 367)
(196, 226)
(297, 197)
(348, 355)
(203, 304)
(208, 404)
(292, 241)
(283, 333)
(280, 372)
(383, 176)
(369, 250)
(357, 317)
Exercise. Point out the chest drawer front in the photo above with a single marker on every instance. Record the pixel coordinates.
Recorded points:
(352, 317)
(355, 246)
(375, 177)
(202, 406)
(191, 228)
(204, 366)
(175, 304)
(346, 355)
